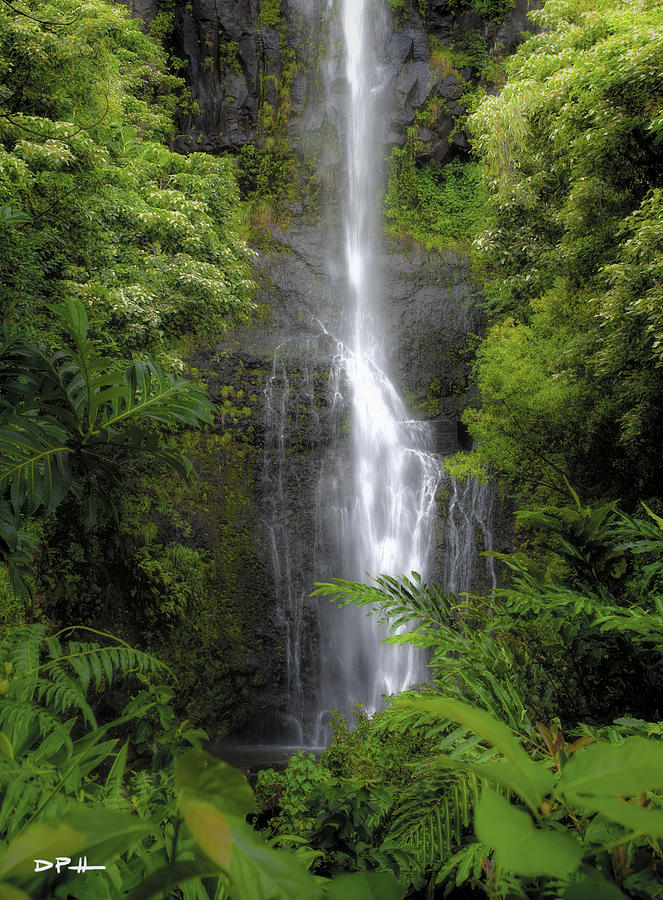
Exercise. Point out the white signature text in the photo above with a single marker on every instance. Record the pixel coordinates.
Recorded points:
(63, 862)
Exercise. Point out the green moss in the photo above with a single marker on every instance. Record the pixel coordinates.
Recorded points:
(440, 209)
(270, 13)
(229, 57)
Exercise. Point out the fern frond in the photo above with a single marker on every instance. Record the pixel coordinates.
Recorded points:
(22, 647)
(467, 863)
(63, 693)
(91, 662)
(432, 814)
(22, 786)
(396, 603)
(25, 722)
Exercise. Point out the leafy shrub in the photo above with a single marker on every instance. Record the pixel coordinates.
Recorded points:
(583, 642)
(437, 208)
(66, 790)
(70, 421)
(92, 204)
(571, 157)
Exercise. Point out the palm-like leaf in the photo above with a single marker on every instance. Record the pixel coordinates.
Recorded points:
(34, 462)
(70, 420)
(467, 660)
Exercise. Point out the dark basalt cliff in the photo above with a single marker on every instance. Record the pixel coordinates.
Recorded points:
(234, 57)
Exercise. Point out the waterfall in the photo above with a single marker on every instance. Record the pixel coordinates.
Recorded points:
(468, 527)
(350, 480)
(290, 418)
(383, 504)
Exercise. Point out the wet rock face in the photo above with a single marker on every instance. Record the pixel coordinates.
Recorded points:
(220, 42)
(143, 9)
(429, 301)
(235, 64)
(258, 516)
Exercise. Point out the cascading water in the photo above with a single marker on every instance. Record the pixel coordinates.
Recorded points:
(373, 508)
(470, 510)
(385, 511)
(289, 413)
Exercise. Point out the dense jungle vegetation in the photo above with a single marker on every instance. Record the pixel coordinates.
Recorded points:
(533, 765)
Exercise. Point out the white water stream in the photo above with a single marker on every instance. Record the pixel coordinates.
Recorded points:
(385, 515)
(375, 506)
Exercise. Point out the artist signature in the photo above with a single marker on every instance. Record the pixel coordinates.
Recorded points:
(63, 862)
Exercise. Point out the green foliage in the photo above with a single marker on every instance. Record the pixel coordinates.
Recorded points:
(67, 791)
(229, 57)
(583, 643)
(576, 794)
(266, 173)
(289, 793)
(571, 156)
(270, 13)
(271, 176)
(370, 802)
(439, 209)
(71, 423)
(65, 784)
(399, 10)
(95, 207)
(497, 10)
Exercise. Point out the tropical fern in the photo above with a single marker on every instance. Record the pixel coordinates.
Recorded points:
(70, 423)
(433, 814)
(50, 740)
(470, 657)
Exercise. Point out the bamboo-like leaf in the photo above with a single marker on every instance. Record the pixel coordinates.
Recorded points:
(116, 774)
(532, 787)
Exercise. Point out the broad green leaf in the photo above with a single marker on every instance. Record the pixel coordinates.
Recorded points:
(504, 773)
(630, 815)
(167, 878)
(259, 873)
(493, 732)
(108, 833)
(366, 886)
(74, 315)
(208, 825)
(39, 842)
(614, 769)
(521, 848)
(216, 781)
(101, 834)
